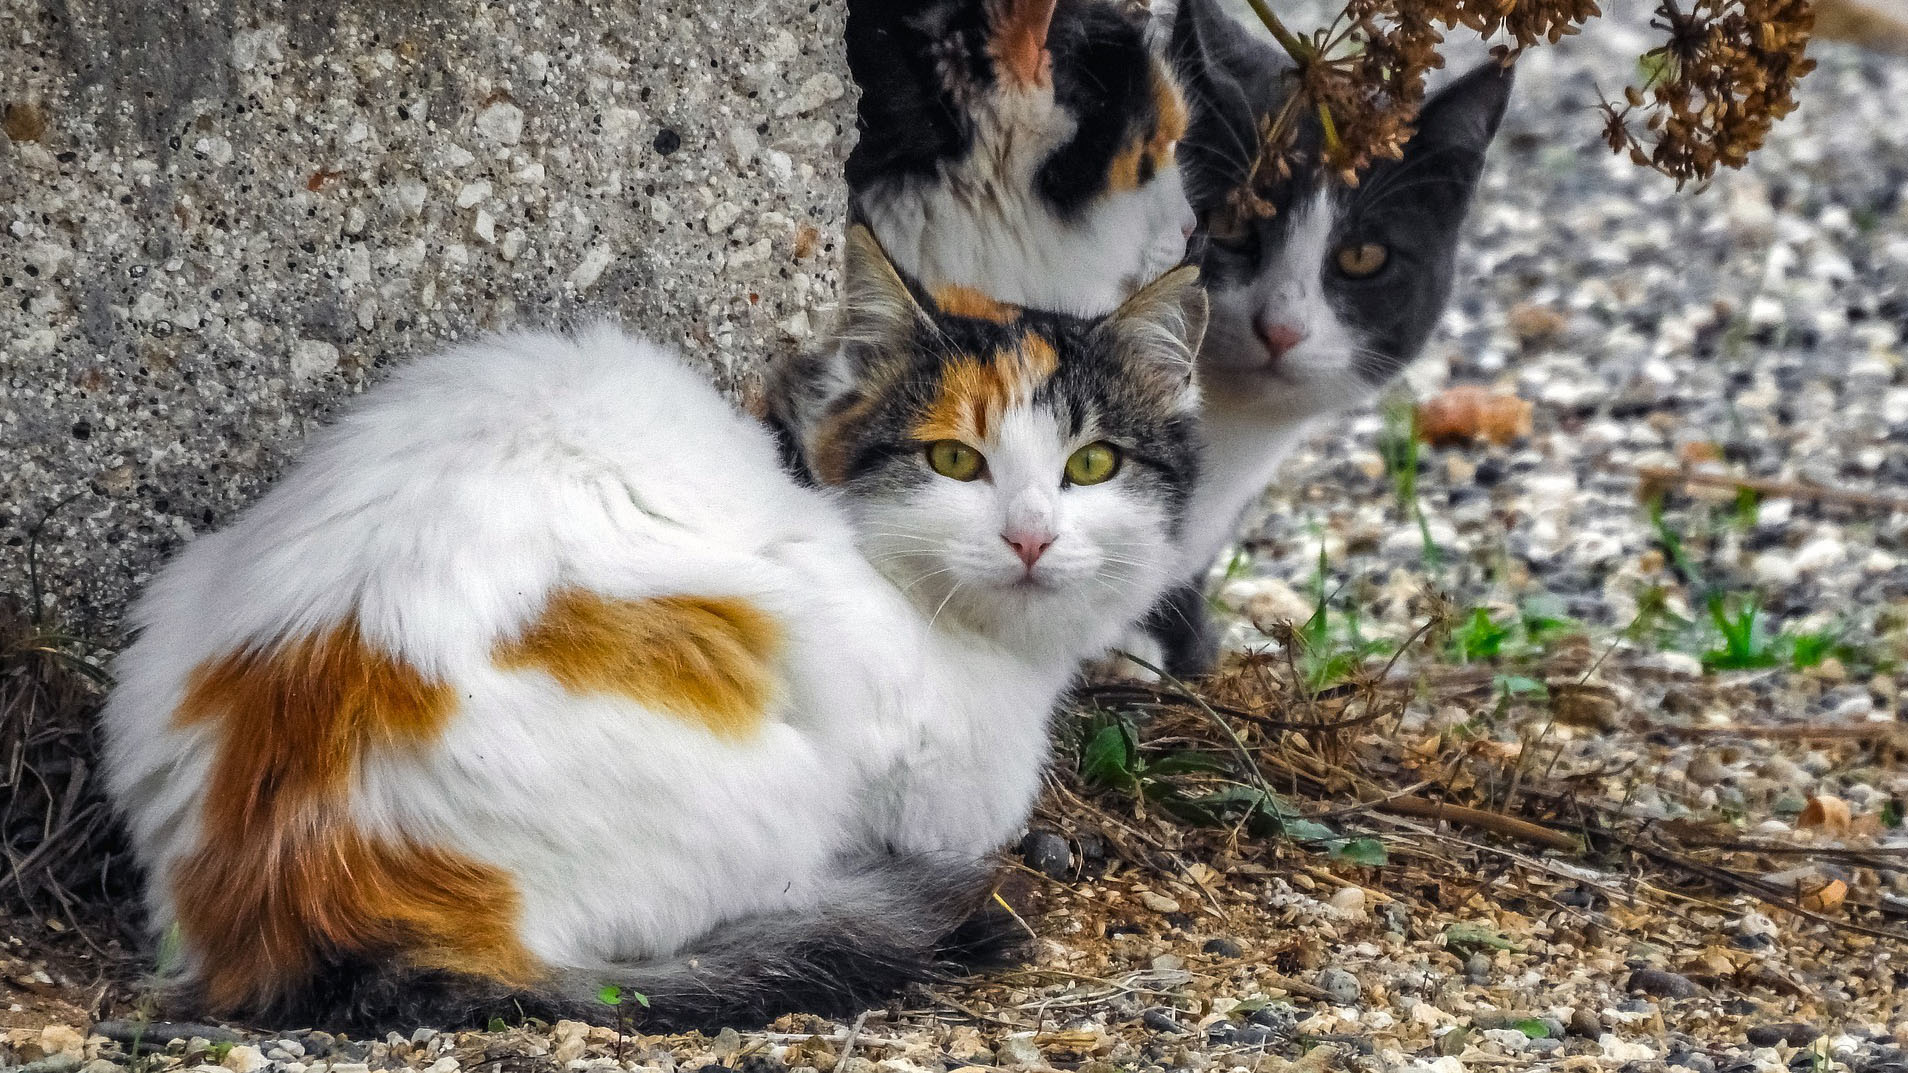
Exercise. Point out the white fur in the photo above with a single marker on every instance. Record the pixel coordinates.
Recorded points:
(1257, 410)
(446, 509)
(981, 223)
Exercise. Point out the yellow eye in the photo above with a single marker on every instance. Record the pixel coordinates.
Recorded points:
(1361, 260)
(952, 458)
(1093, 464)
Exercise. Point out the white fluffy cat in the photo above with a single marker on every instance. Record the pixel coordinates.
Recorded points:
(539, 673)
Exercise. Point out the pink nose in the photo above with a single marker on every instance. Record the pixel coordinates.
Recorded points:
(1278, 337)
(1029, 546)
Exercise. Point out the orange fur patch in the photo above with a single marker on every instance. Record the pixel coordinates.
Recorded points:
(1019, 42)
(709, 660)
(283, 881)
(974, 394)
(1157, 146)
(958, 301)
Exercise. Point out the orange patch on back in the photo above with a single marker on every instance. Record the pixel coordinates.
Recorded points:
(283, 881)
(706, 659)
(958, 301)
(975, 393)
(1145, 155)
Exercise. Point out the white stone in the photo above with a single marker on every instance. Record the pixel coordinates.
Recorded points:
(595, 260)
(501, 122)
(252, 47)
(244, 1058)
(513, 242)
(411, 195)
(485, 226)
(472, 193)
(214, 148)
(1819, 553)
(312, 358)
(721, 216)
(816, 91)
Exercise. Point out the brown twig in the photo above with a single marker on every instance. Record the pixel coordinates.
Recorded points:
(1495, 822)
(1664, 476)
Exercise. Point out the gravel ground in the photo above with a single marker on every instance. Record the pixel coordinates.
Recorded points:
(1753, 329)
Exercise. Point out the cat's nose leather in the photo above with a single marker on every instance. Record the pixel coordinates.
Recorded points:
(1278, 337)
(1029, 546)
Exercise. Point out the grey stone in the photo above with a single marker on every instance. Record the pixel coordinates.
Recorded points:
(1794, 1034)
(1047, 853)
(1663, 984)
(1160, 1020)
(1224, 947)
(1342, 986)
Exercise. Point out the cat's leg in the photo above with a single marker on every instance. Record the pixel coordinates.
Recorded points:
(1177, 635)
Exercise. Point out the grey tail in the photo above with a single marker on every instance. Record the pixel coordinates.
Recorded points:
(887, 922)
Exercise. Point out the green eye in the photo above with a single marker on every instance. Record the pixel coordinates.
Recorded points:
(952, 458)
(1093, 464)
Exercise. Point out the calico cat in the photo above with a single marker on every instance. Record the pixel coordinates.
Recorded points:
(540, 674)
(1020, 149)
(1315, 307)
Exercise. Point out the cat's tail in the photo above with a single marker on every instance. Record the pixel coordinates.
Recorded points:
(883, 923)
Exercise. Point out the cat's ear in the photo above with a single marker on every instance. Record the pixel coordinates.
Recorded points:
(1156, 333)
(877, 308)
(1017, 39)
(877, 321)
(1465, 114)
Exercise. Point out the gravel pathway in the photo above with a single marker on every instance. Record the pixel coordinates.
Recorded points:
(1756, 329)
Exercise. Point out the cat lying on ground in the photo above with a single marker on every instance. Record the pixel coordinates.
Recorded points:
(540, 674)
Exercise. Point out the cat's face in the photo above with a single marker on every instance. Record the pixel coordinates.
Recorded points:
(1021, 474)
(1025, 148)
(1318, 304)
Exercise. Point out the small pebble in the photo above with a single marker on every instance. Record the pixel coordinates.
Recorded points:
(1160, 1020)
(1047, 853)
(1342, 986)
(1224, 947)
(1795, 1034)
(1477, 967)
(1663, 984)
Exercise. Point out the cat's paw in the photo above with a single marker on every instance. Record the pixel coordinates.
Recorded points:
(1119, 665)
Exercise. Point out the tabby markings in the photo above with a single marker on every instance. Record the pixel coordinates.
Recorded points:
(1146, 154)
(974, 393)
(706, 659)
(283, 880)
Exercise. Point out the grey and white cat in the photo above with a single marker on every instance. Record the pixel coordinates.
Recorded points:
(1314, 307)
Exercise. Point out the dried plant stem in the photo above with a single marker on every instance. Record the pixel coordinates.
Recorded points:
(1494, 822)
(1294, 46)
(1660, 476)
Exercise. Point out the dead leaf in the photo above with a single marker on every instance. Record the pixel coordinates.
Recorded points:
(1469, 412)
(1827, 812)
(1827, 898)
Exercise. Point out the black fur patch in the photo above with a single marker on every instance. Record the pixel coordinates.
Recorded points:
(922, 65)
(897, 920)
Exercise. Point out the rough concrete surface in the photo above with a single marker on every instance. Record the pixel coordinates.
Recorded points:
(219, 218)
